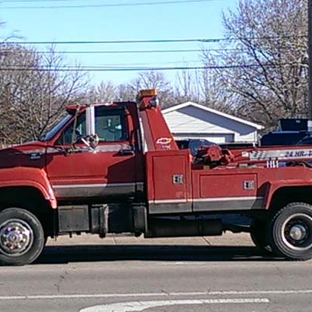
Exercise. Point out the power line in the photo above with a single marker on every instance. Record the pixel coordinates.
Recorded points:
(117, 41)
(127, 65)
(126, 52)
(127, 69)
(105, 5)
(198, 40)
(114, 51)
(15, 52)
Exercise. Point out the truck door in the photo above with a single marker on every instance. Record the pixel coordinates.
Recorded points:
(109, 170)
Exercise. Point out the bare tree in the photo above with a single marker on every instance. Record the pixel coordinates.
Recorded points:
(155, 80)
(36, 88)
(187, 86)
(102, 93)
(263, 66)
(125, 92)
(107, 92)
(202, 86)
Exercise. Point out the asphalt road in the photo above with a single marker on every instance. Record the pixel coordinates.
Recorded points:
(156, 277)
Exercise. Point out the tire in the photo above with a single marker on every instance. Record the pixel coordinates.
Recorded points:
(258, 234)
(21, 237)
(290, 232)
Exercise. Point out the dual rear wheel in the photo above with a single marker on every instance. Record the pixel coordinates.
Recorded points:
(287, 234)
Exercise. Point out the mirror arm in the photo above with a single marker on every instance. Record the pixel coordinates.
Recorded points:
(74, 127)
(86, 143)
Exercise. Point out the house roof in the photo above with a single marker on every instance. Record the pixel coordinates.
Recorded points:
(213, 111)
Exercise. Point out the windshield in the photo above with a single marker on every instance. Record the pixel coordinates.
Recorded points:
(55, 129)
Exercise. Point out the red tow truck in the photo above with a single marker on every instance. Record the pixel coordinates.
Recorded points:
(116, 168)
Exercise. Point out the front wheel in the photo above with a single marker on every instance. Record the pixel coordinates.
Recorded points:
(21, 237)
(291, 232)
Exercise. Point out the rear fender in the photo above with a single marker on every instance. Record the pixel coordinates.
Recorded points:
(272, 188)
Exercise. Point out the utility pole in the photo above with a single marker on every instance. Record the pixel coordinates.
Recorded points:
(310, 62)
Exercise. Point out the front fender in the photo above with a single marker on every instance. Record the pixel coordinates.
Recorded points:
(33, 177)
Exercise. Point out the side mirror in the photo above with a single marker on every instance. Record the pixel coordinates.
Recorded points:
(91, 141)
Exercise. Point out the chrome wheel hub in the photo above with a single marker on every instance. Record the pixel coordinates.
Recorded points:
(297, 232)
(16, 237)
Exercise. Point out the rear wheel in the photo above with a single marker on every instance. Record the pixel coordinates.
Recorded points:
(21, 237)
(258, 234)
(290, 232)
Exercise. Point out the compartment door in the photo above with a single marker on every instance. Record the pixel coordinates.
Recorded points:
(171, 184)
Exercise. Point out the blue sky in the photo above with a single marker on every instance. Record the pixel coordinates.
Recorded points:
(148, 22)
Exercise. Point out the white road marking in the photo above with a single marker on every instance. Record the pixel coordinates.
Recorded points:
(142, 305)
(160, 294)
(248, 292)
(81, 296)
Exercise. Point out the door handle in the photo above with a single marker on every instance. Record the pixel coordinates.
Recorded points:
(125, 152)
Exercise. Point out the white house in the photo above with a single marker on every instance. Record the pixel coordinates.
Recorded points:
(193, 121)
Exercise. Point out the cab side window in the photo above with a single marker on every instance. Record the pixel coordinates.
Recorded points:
(80, 130)
(110, 126)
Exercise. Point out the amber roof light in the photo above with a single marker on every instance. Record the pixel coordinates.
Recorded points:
(148, 92)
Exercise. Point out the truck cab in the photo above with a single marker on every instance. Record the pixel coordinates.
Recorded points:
(111, 169)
